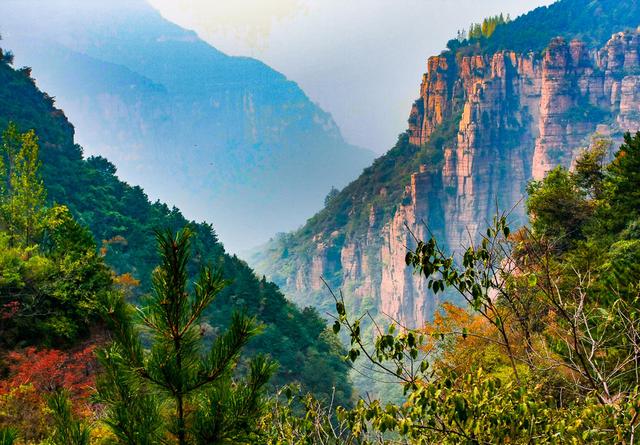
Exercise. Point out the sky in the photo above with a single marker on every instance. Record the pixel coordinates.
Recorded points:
(360, 60)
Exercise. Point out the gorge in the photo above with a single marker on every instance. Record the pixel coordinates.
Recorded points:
(485, 123)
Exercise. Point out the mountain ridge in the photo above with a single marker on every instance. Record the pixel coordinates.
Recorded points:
(483, 126)
(238, 138)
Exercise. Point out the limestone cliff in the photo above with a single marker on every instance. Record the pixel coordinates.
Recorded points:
(494, 121)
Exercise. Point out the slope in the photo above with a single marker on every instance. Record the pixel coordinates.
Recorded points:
(123, 217)
(244, 145)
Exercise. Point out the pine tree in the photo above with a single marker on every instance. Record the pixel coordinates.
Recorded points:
(67, 429)
(174, 389)
(8, 436)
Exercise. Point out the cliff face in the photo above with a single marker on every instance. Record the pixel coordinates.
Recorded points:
(515, 116)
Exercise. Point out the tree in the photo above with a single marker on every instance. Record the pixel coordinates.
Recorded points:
(68, 430)
(547, 350)
(22, 192)
(50, 272)
(623, 179)
(331, 195)
(207, 401)
(590, 168)
(557, 207)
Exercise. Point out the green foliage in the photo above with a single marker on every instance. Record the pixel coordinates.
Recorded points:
(300, 418)
(589, 169)
(332, 194)
(22, 194)
(8, 436)
(546, 353)
(123, 220)
(487, 27)
(67, 430)
(50, 274)
(205, 403)
(557, 206)
(591, 21)
(623, 180)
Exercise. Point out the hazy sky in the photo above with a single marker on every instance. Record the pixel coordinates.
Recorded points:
(361, 60)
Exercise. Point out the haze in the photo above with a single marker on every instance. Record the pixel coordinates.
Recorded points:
(360, 60)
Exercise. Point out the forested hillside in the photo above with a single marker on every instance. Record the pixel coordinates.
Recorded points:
(591, 21)
(247, 150)
(122, 221)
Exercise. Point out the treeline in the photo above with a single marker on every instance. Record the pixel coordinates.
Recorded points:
(484, 29)
(590, 21)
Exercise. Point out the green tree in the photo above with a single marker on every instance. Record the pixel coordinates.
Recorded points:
(67, 429)
(623, 180)
(174, 388)
(331, 195)
(23, 195)
(557, 207)
(590, 168)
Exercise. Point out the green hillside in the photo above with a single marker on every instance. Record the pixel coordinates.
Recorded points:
(121, 217)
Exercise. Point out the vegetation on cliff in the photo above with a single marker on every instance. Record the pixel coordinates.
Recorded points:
(591, 21)
(546, 350)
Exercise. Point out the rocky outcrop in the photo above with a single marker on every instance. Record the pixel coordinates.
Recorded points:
(516, 116)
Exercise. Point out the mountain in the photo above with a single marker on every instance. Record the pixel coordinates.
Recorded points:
(493, 113)
(244, 147)
(123, 220)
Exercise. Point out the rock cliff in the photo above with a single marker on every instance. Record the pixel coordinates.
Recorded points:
(494, 121)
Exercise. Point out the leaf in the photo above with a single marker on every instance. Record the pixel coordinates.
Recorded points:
(336, 327)
(408, 258)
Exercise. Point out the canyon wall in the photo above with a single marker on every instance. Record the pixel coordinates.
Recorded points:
(515, 117)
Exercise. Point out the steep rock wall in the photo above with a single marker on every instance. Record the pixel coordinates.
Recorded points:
(517, 116)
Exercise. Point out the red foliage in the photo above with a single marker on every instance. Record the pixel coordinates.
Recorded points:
(9, 309)
(51, 370)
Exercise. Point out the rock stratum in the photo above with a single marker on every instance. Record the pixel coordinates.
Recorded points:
(482, 127)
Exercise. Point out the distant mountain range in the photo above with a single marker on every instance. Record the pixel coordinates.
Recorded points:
(227, 139)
